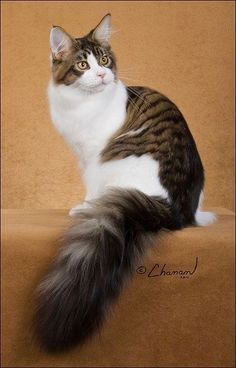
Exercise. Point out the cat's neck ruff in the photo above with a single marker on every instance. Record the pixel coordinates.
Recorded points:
(74, 95)
(87, 120)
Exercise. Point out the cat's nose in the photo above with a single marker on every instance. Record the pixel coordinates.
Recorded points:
(101, 73)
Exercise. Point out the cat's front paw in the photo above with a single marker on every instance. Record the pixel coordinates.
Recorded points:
(78, 208)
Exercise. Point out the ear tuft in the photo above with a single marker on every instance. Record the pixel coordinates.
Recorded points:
(102, 32)
(60, 42)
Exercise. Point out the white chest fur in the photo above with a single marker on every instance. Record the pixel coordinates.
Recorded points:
(85, 120)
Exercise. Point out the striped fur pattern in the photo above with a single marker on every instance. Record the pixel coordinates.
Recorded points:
(155, 126)
(133, 139)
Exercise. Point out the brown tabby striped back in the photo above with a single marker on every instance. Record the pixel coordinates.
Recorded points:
(155, 126)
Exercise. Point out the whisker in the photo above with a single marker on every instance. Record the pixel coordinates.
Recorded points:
(132, 79)
(112, 31)
(139, 96)
(133, 103)
(129, 70)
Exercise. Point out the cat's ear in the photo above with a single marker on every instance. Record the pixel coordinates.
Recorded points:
(102, 32)
(61, 43)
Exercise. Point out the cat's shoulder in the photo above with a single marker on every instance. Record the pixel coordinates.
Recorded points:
(147, 93)
(141, 95)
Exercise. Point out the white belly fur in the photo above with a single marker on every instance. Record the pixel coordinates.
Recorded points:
(131, 172)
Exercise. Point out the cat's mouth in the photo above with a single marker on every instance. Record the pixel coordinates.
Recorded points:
(103, 81)
(101, 86)
(94, 86)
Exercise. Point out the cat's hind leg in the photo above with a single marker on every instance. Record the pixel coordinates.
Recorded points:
(204, 218)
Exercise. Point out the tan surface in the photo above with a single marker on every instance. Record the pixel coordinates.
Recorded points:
(183, 49)
(163, 321)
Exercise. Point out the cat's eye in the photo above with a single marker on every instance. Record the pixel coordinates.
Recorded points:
(104, 60)
(82, 65)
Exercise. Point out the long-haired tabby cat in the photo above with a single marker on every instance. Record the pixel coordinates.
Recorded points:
(142, 174)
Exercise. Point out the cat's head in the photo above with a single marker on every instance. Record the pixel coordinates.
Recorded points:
(87, 62)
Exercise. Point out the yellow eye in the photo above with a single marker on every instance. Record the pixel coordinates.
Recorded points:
(104, 60)
(82, 65)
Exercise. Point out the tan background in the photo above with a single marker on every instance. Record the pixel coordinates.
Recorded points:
(183, 49)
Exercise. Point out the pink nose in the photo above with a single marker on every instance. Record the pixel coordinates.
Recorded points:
(101, 73)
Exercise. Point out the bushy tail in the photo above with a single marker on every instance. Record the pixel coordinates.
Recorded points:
(101, 251)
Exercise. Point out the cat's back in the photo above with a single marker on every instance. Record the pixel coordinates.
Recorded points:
(149, 103)
(153, 125)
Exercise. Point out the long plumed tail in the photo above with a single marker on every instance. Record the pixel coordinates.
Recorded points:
(100, 254)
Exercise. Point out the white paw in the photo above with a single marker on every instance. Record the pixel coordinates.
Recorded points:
(205, 218)
(78, 208)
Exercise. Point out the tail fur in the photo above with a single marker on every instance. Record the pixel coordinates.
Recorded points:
(101, 251)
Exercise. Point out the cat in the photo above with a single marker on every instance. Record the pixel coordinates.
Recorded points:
(142, 173)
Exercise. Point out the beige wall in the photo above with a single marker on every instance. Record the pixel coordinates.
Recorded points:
(183, 49)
